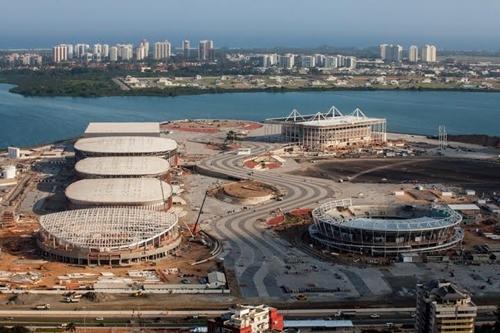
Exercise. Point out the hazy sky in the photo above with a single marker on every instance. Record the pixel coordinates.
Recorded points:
(451, 24)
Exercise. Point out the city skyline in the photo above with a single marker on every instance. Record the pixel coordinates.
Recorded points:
(341, 24)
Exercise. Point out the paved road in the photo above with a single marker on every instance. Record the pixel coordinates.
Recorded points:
(253, 252)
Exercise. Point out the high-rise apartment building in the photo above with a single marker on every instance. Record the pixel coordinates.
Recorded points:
(105, 51)
(391, 52)
(413, 53)
(97, 50)
(60, 53)
(145, 45)
(331, 62)
(163, 50)
(206, 50)
(125, 51)
(113, 53)
(443, 307)
(429, 53)
(186, 49)
(286, 61)
(307, 61)
(350, 62)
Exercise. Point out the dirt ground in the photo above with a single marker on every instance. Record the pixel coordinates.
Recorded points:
(210, 126)
(248, 189)
(20, 254)
(481, 175)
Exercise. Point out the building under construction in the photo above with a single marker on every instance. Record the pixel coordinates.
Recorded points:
(330, 130)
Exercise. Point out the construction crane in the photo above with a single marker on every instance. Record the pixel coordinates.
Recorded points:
(194, 231)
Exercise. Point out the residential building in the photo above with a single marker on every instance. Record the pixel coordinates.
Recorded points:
(429, 53)
(443, 307)
(163, 50)
(145, 44)
(307, 61)
(340, 60)
(105, 51)
(186, 48)
(331, 62)
(350, 62)
(286, 61)
(113, 53)
(248, 319)
(206, 50)
(97, 49)
(413, 54)
(391, 52)
(60, 53)
(320, 60)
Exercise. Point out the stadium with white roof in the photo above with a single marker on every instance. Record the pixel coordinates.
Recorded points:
(126, 146)
(385, 230)
(331, 129)
(149, 193)
(122, 166)
(108, 236)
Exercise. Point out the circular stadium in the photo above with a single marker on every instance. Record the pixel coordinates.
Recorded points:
(385, 230)
(149, 193)
(126, 146)
(108, 235)
(122, 166)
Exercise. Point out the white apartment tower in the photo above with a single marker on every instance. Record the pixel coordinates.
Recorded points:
(186, 47)
(286, 61)
(163, 50)
(429, 53)
(60, 53)
(443, 307)
(113, 53)
(413, 54)
(206, 50)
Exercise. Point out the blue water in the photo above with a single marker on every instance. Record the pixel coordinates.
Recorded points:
(26, 121)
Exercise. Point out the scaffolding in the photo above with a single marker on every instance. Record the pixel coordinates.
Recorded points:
(118, 232)
(331, 129)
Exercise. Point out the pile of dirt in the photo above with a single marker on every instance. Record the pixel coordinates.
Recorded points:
(20, 299)
(97, 297)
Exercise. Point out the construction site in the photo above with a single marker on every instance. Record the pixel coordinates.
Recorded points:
(329, 130)
(236, 211)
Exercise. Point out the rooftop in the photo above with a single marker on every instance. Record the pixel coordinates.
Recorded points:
(333, 117)
(125, 145)
(122, 166)
(115, 191)
(107, 228)
(151, 128)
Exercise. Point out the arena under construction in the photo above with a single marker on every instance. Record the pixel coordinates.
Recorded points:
(108, 236)
(385, 230)
(330, 130)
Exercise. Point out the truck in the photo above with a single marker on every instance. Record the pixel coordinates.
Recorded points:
(42, 307)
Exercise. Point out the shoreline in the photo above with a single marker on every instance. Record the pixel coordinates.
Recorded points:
(176, 92)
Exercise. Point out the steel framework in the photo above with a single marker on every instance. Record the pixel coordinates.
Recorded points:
(332, 129)
(385, 230)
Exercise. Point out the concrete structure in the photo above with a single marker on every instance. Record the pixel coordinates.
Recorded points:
(307, 61)
(313, 325)
(122, 166)
(206, 50)
(127, 146)
(122, 129)
(247, 319)
(429, 53)
(108, 236)
(443, 307)
(286, 61)
(14, 152)
(385, 230)
(163, 50)
(60, 53)
(148, 193)
(186, 48)
(9, 172)
(321, 131)
(413, 54)
(391, 52)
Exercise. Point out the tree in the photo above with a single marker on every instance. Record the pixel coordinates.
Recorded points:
(71, 327)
